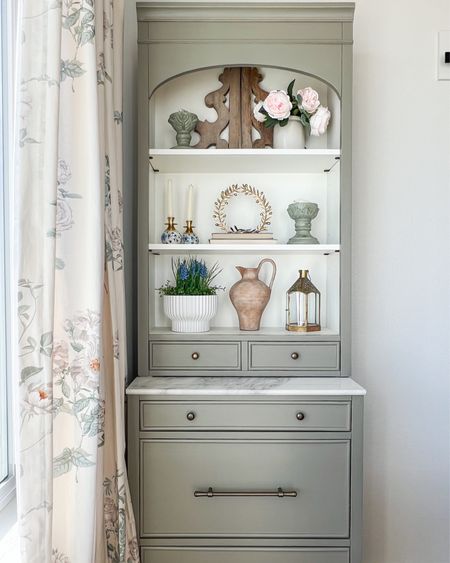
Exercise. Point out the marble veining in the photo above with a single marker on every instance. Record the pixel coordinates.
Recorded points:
(244, 386)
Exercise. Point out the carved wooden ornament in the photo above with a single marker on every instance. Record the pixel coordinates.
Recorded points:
(241, 84)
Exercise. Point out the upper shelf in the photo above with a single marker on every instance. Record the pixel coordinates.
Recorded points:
(244, 248)
(243, 160)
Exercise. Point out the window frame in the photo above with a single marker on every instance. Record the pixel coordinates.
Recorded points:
(7, 341)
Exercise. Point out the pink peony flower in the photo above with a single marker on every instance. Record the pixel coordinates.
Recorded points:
(319, 121)
(278, 105)
(257, 114)
(310, 99)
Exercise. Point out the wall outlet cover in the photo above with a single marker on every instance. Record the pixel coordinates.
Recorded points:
(443, 68)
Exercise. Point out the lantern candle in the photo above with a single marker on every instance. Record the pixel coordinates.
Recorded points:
(303, 305)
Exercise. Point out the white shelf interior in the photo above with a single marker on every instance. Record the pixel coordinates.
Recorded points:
(324, 272)
(283, 175)
(189, 90)
(280, 191)
(243, 161)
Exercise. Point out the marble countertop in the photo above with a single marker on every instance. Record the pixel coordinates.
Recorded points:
(244, 386)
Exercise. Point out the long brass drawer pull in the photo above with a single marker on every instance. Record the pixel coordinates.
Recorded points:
(210, 493)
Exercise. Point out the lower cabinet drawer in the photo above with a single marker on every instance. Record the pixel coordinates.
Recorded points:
(295, 356)
(195, 356)
(243, 555)
(299, 415)
(225, 488)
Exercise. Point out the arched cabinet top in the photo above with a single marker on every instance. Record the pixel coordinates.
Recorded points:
(184, 36)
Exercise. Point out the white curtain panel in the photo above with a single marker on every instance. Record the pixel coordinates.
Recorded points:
(74, 502)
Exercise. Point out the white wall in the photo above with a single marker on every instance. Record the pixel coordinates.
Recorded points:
(401, 277)
(401, 271)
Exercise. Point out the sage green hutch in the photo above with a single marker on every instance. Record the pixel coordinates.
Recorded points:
(245, 447)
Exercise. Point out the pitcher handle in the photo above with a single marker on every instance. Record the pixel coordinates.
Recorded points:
(274, 269)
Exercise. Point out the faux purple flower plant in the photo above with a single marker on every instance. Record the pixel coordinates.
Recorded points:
(192, 277)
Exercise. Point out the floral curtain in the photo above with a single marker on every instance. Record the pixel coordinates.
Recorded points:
(74, 503)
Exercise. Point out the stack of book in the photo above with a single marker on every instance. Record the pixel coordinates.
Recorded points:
(242, 238)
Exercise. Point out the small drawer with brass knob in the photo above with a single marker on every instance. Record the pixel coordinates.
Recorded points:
(195, 356)
(294, 356)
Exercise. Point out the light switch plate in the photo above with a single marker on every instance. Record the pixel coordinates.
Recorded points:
(443, 68)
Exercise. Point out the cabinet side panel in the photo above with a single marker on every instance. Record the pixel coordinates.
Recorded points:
(142, 267)
(133, 454)
(356, 486)
(346, 209)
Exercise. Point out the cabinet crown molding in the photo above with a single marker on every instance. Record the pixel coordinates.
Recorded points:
(249, 11)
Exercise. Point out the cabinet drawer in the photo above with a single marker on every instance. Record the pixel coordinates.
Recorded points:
(243, 473)
(195, 355)
(267, 415)
(243, 555)
(294, 356)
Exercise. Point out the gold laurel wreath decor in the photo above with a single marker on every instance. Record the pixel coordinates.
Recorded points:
(220, 215)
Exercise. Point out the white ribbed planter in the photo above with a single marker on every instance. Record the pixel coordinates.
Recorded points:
(190, 313)
(291, 136)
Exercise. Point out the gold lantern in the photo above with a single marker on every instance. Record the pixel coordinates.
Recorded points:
(303, 305)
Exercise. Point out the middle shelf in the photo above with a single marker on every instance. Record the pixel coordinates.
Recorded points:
(244, 248)
(213, 161)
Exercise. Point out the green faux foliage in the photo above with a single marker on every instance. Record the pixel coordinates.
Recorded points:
(192, 277)
(289, 89)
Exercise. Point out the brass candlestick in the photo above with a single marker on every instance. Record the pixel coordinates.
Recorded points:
(189, 237)
(171, 235)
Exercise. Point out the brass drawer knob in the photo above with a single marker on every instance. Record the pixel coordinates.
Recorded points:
(300, 416)
(295, 355)
(195, 355)
(190, 415)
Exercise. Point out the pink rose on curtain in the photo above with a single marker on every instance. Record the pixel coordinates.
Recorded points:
(133, 548)
(60, 356)
(111, 514)
(319, 121)
(278, 105)
(310, 99)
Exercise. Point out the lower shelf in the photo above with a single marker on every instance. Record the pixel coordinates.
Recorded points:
(233, 333)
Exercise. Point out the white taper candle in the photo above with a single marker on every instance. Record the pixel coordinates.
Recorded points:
(189, 205)
(169, 198)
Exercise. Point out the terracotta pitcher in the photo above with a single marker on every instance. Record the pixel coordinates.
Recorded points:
(250, 295)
